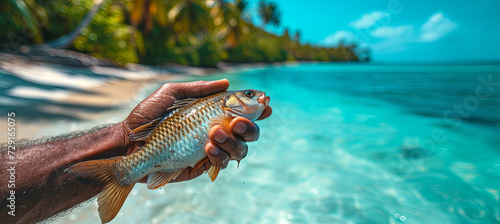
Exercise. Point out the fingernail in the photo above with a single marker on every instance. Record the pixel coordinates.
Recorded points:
(220, 136)
(239, 127)
(214, 150)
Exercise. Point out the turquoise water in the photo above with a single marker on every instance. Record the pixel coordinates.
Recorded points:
(350, 143)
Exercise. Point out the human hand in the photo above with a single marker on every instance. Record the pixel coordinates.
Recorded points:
(220, 149)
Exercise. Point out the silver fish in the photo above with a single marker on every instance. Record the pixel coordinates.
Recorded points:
(172, 143)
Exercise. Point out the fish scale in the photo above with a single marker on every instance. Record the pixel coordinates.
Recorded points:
(173, 143)
(174, 140)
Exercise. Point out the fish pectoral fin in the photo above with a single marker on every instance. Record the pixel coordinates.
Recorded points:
(101, 172)
(223, 121)
(213, 172)
(159, 179)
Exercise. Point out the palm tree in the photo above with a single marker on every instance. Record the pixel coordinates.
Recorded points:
(269, 13)
(66, 40)
(297, 36)
(24, 8)
(228, 17)
(192, 17)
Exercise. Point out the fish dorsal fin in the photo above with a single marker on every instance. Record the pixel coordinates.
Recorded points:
(159, 179)
(180, 103)
(141, 133)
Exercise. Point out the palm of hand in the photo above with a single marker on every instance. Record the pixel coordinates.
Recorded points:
(156, 105)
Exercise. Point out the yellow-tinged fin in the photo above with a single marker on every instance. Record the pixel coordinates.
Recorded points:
(159, 179)
(214, 171)
(223, 121)
(101, 172)
(111, 200)
(198, 165)
(180, 103)
(142, 133)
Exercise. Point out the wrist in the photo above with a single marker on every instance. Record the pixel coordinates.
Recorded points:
(117, 141)
(107, 142)
(122, 131)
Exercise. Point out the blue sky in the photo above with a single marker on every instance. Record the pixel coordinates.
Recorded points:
(397, 30)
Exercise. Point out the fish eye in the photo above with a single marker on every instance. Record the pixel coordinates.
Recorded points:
(249, 93)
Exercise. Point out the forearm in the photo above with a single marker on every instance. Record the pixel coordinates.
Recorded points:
(42, 189)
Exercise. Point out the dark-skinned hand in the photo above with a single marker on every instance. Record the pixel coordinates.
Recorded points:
(220, 149)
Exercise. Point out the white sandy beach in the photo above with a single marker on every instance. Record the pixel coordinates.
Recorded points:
(96, 85)
(120, 86)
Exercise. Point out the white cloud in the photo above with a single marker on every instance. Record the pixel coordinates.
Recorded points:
(386, 40)
(369, 19)
(436, 27)
(393, 31)
(393, 39)
(342, 35)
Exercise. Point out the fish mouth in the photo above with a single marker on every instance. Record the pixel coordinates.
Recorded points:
(264, 100)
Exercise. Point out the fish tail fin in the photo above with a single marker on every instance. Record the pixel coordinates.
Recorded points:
(111, 200)
(102, 172)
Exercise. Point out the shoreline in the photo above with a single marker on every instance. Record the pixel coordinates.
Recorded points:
(87, 83)
(105, 87)
(102, 85)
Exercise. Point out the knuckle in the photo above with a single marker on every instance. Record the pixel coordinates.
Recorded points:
(167, 86)
(173, 89)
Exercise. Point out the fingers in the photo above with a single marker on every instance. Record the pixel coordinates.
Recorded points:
(266, 113)
(194, 89)
(155, 105)
(216, 155)
(245, 129)
(235, 147)
(223, 147)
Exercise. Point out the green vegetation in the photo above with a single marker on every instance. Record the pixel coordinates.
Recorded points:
(189, 32)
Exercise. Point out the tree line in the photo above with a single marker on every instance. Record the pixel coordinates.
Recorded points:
(160, 32)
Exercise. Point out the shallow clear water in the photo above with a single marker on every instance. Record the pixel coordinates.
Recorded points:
(349, 143)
